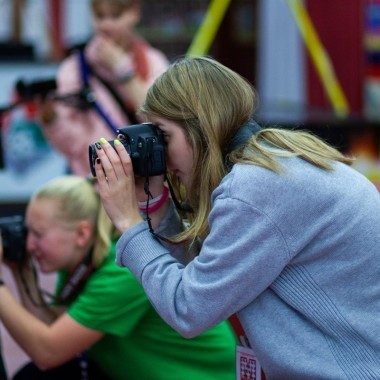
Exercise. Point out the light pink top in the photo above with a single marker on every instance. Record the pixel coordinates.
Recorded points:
(74, 130)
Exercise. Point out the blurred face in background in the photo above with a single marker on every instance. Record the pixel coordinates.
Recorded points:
(53, 243)
(116, 19)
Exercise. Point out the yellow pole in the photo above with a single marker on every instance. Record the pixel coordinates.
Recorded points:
(207, 31)
(320, 58)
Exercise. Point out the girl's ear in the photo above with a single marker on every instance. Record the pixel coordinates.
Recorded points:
(84, 233)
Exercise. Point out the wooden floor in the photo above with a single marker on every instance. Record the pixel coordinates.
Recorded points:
(13, 355)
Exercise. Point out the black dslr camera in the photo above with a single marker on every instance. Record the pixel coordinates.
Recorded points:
(13, 232)
(145, 145)
(28, 90)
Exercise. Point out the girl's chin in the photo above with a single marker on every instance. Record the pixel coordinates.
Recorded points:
(43, 268)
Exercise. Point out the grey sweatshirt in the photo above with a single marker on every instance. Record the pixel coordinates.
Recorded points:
(296, 255)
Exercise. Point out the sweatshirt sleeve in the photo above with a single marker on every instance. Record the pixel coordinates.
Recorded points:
(239, 259)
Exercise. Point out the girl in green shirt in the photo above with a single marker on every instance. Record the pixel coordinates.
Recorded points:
(102, 325)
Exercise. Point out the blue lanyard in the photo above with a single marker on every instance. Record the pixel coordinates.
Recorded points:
(90, 95)
(83, 364)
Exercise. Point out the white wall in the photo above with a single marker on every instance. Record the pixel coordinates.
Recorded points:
(36, 24)
(281, 63)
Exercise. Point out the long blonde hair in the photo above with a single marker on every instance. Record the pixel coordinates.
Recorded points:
(79, 201)
(211, 103)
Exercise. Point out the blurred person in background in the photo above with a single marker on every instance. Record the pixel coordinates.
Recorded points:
(115, 68)
(100, 324)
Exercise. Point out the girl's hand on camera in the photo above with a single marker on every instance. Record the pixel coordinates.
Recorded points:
(116, 185)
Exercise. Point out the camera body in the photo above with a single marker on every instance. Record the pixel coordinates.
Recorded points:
(13, 232)
(145, 145)
(28, 90)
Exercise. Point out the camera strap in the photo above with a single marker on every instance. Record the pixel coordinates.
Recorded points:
(77, 279)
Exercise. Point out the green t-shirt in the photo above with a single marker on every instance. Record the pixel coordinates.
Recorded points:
(138, 344)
